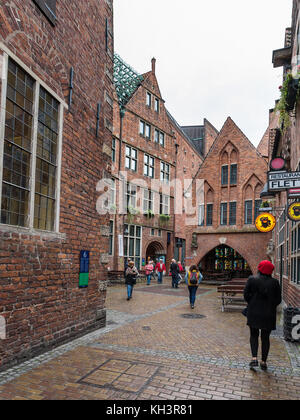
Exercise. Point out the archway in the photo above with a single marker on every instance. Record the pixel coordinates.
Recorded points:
(224, 259)
(155, 251)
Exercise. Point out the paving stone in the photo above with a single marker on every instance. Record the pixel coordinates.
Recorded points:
(175, 358)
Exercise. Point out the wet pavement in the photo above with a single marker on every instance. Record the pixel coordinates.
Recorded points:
(155, 347)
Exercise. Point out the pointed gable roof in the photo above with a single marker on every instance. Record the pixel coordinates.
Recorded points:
(126, 80)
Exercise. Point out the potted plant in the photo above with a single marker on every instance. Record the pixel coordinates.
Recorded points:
(164, 218)
(289, 97)
(131, 213)
(149, 214)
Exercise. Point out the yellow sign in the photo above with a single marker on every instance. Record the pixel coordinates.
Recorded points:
(265, 222)
(294, 211)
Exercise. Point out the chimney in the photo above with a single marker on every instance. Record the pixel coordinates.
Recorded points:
(153, 62)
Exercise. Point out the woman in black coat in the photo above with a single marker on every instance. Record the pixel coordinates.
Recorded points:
(130, 278)
(263, 295)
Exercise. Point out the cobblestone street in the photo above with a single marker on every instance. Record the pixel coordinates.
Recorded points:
(153, 349)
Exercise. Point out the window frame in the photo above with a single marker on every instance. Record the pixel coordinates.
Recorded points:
(233, 181)
(38, 84)
(47, 10)
(131, 158)
(223, 212)
(224, 180)
(148, 167)
(209, 214)
(232, 220)
(247, 211)
(164, 174)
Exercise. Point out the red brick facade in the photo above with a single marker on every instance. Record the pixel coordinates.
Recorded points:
(231, 147)
(286, 143)
(40, 297)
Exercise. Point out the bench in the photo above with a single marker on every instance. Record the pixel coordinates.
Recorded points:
(232, 296)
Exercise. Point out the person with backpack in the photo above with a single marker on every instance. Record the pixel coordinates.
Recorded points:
(193, 278)
(130, 278)
(263, 294)
(174, 271)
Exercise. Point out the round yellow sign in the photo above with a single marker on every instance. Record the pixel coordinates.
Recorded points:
(265, 222)
(294, 211)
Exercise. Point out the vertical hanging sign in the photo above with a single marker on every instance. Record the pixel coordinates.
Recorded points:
(84, 269)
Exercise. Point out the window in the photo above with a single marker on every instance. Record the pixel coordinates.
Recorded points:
(159, 137)
(257, 205)
(148, 131)
(111, 237)
(164, 204)
(148, 99)
(48, 7)
(131, 158)
(113, 153)
(201, 215)
(142, 128)
(148, 201)
(164, 172)
(223, 214)
(132, 244)
(233, 174)
(248, 212)
(29, 181)
(156, 105)
(232, 213)
(130, 195)
(224, 175)
(149, 166)
(209, 214)
(113, 192)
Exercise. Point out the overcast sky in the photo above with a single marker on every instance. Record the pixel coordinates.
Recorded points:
(214, 58)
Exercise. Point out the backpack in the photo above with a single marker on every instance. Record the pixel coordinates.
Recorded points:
(194, 278)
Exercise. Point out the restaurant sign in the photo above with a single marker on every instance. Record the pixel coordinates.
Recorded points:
(283, 180)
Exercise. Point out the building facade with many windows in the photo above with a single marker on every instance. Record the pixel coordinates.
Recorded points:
(284, 142)
(55, 142)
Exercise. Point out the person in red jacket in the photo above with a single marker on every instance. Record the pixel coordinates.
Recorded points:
(160, 269)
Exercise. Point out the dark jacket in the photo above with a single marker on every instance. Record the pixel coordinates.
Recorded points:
(174, 269)
(131, 275)
(263, 294)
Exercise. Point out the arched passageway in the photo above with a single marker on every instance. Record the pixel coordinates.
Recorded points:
(224, 259)
(155, 251)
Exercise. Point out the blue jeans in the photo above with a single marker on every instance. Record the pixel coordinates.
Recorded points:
(193, 291)
(160, 277)
(129, 290)
(175, 280)
(149, 278)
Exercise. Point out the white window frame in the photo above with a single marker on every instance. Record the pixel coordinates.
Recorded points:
(164, 204)
(148, 200)
(164, 172)
(7, 54)
(148, 166)
(131, 158)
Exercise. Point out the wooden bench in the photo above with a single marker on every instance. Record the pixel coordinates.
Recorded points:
(232, 296)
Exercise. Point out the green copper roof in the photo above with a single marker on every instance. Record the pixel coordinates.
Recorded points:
(126, 80)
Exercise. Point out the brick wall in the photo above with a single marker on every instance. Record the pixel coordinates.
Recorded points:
(39, 271)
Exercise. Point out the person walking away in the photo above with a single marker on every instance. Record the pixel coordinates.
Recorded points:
(181, 271)
(263, 294)
(160, 269)
(193, 278)
(149, 271)
(130, 279)
(174, 271)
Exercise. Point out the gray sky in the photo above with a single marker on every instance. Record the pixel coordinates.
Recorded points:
(214, 58)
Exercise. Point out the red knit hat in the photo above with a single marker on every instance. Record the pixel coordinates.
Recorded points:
(266, 267)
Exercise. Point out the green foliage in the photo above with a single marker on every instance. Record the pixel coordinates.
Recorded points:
(282, 106)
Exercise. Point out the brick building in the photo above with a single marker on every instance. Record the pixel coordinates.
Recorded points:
(226, 201)
(56, 71)
(284, 141)
(148, 203)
